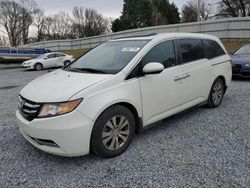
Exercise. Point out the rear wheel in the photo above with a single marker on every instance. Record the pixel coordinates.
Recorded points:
(38, 67)
(216, 94)
(66, 63)
(113, 132)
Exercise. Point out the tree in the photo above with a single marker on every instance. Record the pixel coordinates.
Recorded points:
(40, 24)
(87, 22)
(190, 12)
(233, 8)
(16, 17)
(60, 26)
(136, 14)
(3, 41)
(28, 9)
(9, 18)
(165, 13)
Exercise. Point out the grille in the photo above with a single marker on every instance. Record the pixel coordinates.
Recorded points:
(236, 69)
(28, 109)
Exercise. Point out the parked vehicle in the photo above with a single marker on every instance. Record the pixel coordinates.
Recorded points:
(241, 62)
(119, 88)
(48, 60)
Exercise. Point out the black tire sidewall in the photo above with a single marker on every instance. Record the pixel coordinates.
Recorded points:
(211, 103)
(97, 145)
(66, 63)
(37, 64)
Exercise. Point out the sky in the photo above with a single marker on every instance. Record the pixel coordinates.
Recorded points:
(108, 8)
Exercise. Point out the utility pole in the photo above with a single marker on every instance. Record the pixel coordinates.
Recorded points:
(199, 11)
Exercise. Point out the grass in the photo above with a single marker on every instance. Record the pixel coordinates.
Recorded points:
(234, 44)
(75, 53)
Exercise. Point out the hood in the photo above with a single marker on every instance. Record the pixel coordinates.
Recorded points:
(31, 61)
(60, 85)
(240, 59)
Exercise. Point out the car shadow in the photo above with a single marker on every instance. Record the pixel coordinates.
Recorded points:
(238, 78)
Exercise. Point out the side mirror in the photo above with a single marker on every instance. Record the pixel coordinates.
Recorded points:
(153, 68)
(45, 57)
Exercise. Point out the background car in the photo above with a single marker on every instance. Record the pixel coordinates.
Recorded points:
(241, 62)
(48, 60)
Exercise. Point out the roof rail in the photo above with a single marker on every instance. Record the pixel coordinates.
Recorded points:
(134, 36)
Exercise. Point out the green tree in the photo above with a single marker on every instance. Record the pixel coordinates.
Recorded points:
(165, 12)
(136, 14)
(145, 13)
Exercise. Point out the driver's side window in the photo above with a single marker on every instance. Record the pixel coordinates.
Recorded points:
(162, 53)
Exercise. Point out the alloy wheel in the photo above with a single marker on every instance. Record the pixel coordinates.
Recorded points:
(116, 132)
(217, 93)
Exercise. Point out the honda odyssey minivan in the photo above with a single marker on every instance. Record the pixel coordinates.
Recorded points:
(98, 102)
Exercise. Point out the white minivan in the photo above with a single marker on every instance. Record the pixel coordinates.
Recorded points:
(117, 89)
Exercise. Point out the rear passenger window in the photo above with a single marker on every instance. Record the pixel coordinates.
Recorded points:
(212, 49)
(190, 49)
(162, 53)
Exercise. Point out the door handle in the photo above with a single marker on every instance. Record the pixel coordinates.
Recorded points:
(177, 78)
(185, 76)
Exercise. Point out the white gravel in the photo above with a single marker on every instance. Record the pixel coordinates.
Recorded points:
(200, 148)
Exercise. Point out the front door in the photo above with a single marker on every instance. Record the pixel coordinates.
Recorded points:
(160, 92)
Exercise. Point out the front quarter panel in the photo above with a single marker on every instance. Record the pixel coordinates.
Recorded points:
(122, 92)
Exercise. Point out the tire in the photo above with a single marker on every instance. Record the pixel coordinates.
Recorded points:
(38, 67)
(216, 94)
(66, 63)
(113, 132)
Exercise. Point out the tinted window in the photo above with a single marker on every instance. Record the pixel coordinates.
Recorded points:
(51, 56)
(190, 49)
(60, 55)
(245, 50)
(212, 49)
(162, 53)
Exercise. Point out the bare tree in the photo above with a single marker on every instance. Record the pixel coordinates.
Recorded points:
(190, 11)
(234, 8)
(10, 19)
(16, 17)
(87, 22)
(60, 26)
(40, 24)
(3, 41)
(28, 9)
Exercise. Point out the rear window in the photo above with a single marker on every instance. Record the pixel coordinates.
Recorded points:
(212, 49)
(190, 49)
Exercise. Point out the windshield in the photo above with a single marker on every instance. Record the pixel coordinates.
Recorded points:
(110, 57)
(41, 56)
(245, 50)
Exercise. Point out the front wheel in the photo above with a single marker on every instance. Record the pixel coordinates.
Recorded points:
(113, 132)
(216, 94)
(38, 67)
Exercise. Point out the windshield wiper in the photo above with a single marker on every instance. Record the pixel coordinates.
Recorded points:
(88, 70)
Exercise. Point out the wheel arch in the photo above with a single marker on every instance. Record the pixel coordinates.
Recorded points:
(133, 110)
(223, 79)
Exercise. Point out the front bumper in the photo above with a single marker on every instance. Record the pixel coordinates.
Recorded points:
(66, 135)
(241, 71)
(28, 67)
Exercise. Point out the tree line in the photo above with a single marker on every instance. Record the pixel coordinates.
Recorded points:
(18, 16)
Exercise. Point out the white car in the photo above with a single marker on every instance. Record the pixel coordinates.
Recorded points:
(48, 60)
(118, 89)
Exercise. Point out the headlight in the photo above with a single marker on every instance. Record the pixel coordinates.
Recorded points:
(55, 109)
(247, 65)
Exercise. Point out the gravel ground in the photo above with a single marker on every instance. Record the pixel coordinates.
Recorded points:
(200, 148)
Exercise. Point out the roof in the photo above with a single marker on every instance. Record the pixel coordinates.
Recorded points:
(166, 35)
